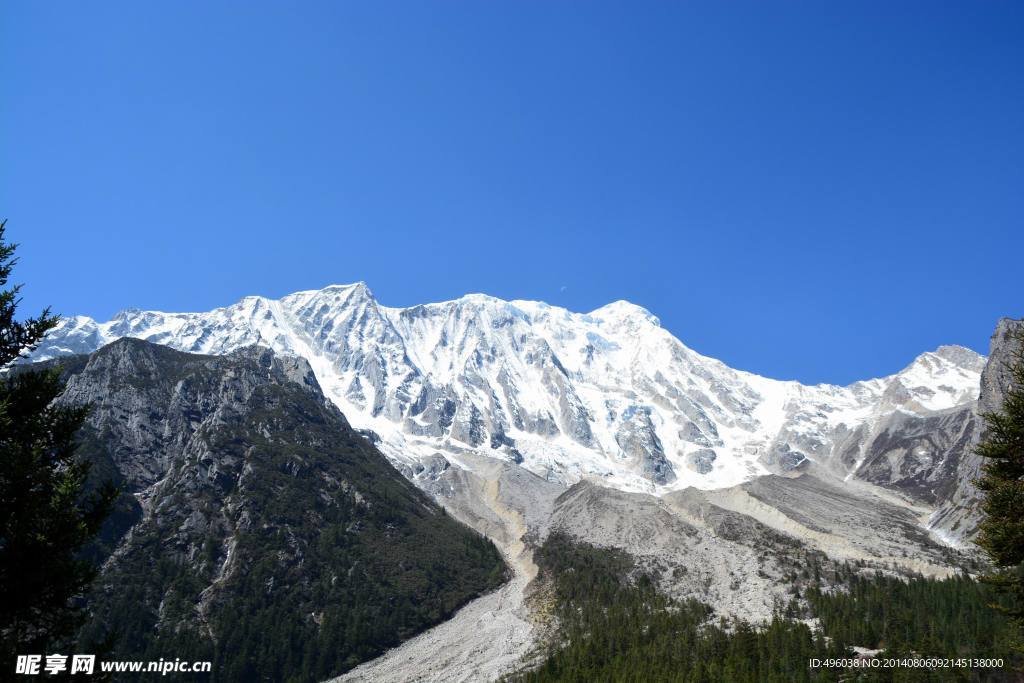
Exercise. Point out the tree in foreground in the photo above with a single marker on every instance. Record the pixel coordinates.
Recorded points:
(1002, 481)
(45, 517)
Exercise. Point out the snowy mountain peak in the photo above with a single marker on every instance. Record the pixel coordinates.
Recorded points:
(359, 290)
(938, 380)
(608, 395)
(480, 299)
(621, 310)
(960, 356)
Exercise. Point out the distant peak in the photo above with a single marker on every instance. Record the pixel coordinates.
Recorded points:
(623, 310)
(958, 356)
(356, 290)
(480, 298)
(475, 298)
(355, 286)
(961, 356)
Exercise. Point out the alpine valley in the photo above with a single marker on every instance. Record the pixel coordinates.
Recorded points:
(260, 447)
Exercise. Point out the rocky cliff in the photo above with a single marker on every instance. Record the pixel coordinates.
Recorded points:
(260, 530)
(958, 514)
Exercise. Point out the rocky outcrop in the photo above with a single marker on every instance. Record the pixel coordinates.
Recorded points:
(958, 515)
(639, 442)
(701, 461)
(920, 455)
(265, 523)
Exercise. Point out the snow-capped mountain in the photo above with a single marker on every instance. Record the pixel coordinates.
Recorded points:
(608, 395)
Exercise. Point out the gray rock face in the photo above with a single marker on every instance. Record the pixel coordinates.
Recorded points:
(920, 455)
(151, 402)
(258, 498)
(702, 461)
(958, 515)
(784, 457)
(695, 435)
(962, 357)
(995, 379)
(637, 438)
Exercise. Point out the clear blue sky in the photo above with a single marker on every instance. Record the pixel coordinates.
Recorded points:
(816, 191)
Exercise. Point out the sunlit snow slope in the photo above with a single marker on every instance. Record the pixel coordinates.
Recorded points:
(608, 394)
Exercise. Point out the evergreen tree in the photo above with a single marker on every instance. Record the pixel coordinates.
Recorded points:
(1002, 530)
(45, 518)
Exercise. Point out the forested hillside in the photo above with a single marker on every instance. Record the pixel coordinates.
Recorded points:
(613, 625)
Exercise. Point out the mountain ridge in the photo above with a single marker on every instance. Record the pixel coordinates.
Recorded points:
(81, 320)
(608, 394)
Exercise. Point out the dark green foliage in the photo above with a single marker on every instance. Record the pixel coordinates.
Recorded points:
(614, 626)
(951, 618)
(17, 337)
(282, 546)
(383, 571)
(1002, 529)
(46, 514)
